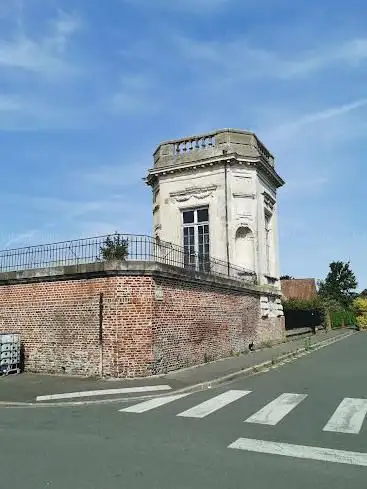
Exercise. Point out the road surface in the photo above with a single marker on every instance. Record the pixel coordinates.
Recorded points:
(300, 425)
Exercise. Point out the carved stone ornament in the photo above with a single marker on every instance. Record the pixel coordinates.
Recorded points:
(243, 195)
(198, 193)
(269, 201)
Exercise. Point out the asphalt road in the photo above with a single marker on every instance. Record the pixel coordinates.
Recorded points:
(98, 446)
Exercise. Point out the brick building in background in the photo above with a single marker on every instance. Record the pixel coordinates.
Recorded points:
(299, 288)
(170, 304)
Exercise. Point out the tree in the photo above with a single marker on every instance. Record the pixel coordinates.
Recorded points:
(363, 293)
(286, 277)
(339, 285)
(115, 248)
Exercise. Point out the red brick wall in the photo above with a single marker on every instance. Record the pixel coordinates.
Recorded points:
(195, 323)
(59, 324)
(144, 332)
(133, 307)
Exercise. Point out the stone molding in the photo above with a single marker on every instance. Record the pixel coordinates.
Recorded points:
(198, 193)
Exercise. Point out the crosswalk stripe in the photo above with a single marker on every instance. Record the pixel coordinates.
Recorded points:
(144, 406)
(213, 404)
(348, 417)
(301, 451)
(276, 410)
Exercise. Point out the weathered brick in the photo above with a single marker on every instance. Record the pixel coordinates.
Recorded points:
(193, 323)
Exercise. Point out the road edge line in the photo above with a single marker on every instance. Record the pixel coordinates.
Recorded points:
(254, 369)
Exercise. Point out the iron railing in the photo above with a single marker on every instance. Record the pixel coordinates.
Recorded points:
(117, 246)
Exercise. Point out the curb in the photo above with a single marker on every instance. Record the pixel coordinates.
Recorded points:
(258, 368)
(246, 372)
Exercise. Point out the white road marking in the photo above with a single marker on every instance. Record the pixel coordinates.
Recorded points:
(142, 407)
(348, 417)
(212, 405)
(104, 392)
(276, 410)
(300, 451)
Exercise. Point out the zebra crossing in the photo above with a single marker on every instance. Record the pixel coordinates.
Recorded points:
(348, 416)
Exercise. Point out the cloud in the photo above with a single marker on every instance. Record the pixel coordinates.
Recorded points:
(69, 209)
(37, 114)
(351, 52)
(13, 240)
(64, 27)
(34, 60)
(42, 56)
(135, 95)
(237, 59)
(10, 103)
(287, 129)
(331, 112)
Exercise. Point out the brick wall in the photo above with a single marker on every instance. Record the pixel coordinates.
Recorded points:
(59, 324)
(195, 323)
(153, 321)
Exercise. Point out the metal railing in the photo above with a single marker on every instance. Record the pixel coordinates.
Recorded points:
(121, 247)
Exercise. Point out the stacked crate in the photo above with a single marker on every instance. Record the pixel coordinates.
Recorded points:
(9, 353)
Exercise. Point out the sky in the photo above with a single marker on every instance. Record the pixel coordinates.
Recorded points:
(88, 89)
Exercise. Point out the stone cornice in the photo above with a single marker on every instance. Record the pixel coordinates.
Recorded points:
(269, 200)
(131, 269)
(230, 159)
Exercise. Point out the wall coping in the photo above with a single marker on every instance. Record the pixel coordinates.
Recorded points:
(116, 268)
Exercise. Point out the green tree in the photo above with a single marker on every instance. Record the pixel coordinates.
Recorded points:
(115, 248)
(339, 285)
(286, 277)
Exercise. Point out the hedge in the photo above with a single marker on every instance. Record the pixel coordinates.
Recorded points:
(342, 318)
(336, 317)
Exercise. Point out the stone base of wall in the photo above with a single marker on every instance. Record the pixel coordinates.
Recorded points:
(129, 320)
(270, 331)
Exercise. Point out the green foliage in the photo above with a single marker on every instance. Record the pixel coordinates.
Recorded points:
(303, 305)
(331, 304)
(315, 306)
(360, 305)
(286, 277)
(308, 344)
(339, 285)
(115, 248)
(342, 318)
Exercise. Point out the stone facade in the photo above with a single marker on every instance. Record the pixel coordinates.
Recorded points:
(216, 195)
(232, 174)
(153, 318)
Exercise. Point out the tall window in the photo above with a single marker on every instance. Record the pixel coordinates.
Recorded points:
(268, 241)
(196, 238)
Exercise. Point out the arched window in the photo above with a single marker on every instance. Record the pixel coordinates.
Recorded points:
(244, 248)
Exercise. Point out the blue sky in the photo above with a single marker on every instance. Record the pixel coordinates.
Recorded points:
(89, 88)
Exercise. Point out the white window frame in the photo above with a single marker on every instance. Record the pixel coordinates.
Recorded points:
(195, 225)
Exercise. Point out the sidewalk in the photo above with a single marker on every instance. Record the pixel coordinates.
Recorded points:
(26, 387)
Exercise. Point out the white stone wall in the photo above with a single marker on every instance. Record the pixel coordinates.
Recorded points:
(249, 193)
(181, 191)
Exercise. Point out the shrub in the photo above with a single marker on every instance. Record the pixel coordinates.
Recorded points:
(301, 312)
(115, 248)
(342, 318)
(360, 305)
(303, 305)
